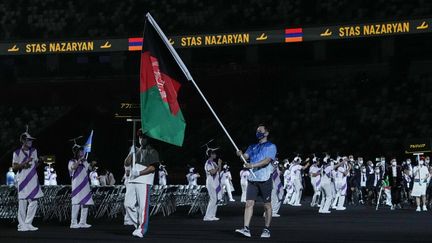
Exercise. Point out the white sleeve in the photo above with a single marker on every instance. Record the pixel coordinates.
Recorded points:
(15, 158)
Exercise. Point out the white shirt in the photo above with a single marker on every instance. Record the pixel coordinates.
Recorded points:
(296, 171)
(421, 172)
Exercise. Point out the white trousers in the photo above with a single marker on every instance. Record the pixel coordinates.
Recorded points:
(212, 204)
(276, 203)
(341, 188)
(75, 210)
(327, 196)
(228, 189)
(298, 189)
(138, 194)
(244, 190)
(130, 217)
(26, 211)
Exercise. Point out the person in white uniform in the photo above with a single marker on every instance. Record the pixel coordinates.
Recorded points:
(25, 161)
(288, 186)
(213, 184)
(297, 180)
(342, 172)
(94, 177)
(244, 176)
(277, 190)
(421, 176)
(163, 173)
(141, 179)
(47, 175)
(53, 177)
(315, 175)
(81, 194)
(192, 177)
(226, 180)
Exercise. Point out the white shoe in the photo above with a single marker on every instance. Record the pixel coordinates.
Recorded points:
(296, 205)
(245, 232)
(424, 208)
(22, 228)
(232, 200)
(137, 233)
(275, 215)
(207, 219)
(214, 219)
(340, 208)
(84, 225)
(31, 227)
(324, 211)
(418, 209)
(392, 207)
(74, 226)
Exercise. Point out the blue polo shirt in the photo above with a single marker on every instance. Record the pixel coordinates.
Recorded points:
(258, 152)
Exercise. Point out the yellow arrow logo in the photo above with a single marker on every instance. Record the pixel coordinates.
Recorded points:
(262, 37)
(423, 26)
(13, 49)
(106, 45)
(326, 33)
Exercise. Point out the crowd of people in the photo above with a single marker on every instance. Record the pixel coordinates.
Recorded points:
(54, 19)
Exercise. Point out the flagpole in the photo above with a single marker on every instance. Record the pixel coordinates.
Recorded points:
(189, 77)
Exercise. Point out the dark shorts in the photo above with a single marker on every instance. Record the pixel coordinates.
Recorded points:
(259, 188)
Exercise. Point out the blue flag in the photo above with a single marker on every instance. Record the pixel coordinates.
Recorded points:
(88, 144)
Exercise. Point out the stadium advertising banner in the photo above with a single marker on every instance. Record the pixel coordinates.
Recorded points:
(288, 35)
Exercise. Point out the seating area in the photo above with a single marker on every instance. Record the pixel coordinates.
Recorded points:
(102, 18)
(109, 200)
(13, 121)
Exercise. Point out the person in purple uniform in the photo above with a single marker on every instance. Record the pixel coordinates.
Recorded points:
(25, 161)
(81, 193)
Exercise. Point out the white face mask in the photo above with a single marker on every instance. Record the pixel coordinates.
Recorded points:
(421, 162)
(393, 163)
(360, 162)
(408, 162)
(332, 163)
(377, 171)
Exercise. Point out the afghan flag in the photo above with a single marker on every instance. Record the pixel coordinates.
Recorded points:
(160, 80)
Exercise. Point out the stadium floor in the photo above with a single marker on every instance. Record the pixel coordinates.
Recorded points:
(302, 224)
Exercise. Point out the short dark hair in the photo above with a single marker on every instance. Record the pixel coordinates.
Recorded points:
(265, 126)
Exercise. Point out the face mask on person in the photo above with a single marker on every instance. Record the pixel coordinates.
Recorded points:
(421, 162)
(377, 171)
(408, 162)
(360, 162)
(393, 163)
(332, 163)
(363, 170)
(259, 135)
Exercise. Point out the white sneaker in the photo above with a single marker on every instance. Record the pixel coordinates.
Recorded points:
(265, 233)
(22, 228)
(207, 219)
(296, 205)
(137, 233)
(424, 208)
(418, 209)
(324, 211)
(275, 215)
(214, 219)
(74, 226)
(84, 225)
(232, 200)
(340, 208)
(244, 232)
(392, 207)
(31, 227)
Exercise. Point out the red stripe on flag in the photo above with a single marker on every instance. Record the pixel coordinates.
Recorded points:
(136, 39)
(151, 76)
(292, 31)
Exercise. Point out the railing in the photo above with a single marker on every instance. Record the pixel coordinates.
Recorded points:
(109, 200)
